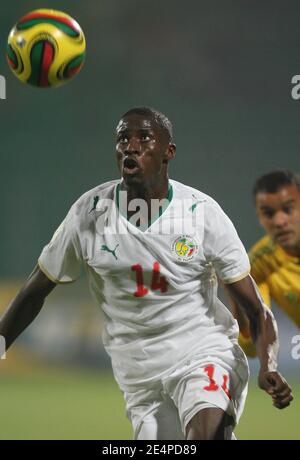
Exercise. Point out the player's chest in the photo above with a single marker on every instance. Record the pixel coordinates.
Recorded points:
(177, 256)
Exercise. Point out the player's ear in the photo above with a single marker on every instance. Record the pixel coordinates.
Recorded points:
(170, 153)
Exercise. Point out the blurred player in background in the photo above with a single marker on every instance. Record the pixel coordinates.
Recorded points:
(172, 343)
(275, 258)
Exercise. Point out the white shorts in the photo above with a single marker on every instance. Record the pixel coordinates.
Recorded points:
(162, 409)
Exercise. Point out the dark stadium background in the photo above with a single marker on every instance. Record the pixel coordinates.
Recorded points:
(221, 71)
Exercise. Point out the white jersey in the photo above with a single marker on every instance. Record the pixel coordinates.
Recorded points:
(157, 287)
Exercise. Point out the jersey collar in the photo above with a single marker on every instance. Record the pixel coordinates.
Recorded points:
(162, 209)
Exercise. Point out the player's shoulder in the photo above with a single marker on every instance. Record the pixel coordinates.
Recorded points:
(89, 200)
(201, 203)
(186, 191)
(262, 250)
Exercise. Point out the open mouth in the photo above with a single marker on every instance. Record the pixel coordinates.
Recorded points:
(130, 166)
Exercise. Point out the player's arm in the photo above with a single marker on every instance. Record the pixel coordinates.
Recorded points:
(25, 306)
(263, 329)
(239, 314)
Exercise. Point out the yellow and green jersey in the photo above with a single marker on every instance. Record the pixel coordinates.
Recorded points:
(277, 275)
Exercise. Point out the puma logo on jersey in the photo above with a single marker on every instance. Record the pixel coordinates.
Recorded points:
(112, 251)
(96, 199)
(194, 205)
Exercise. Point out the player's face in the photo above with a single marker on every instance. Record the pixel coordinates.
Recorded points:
(279, 214)
(143, 150)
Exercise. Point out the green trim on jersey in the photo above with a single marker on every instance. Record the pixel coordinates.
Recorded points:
(162, 209)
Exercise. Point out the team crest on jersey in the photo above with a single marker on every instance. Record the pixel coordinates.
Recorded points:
(185, 247)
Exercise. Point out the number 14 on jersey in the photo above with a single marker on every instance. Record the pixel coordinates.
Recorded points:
(158, 281)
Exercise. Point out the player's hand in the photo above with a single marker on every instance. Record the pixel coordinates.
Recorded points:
(277, 387)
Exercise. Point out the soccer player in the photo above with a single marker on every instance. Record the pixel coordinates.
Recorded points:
(275, 258)
(172, 343)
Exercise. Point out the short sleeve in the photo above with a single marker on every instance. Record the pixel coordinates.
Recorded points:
(223, 247)
(61, 259)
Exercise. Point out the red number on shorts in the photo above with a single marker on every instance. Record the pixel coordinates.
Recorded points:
(158, 281)
(210, 370)
(212, 384)
(224, 385)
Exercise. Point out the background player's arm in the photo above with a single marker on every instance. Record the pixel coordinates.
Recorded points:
(263, 331)
(25, 306)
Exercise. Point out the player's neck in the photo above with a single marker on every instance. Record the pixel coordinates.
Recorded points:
(147, 192)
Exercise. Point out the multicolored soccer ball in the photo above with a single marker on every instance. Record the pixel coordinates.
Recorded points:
(46, 48)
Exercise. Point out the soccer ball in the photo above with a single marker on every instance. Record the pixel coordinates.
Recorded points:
(46, 48)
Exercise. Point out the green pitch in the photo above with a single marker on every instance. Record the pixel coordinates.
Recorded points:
(261, 420)
(83, 405)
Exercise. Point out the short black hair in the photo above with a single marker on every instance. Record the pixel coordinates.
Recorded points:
(160, 119)
(272, 181)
